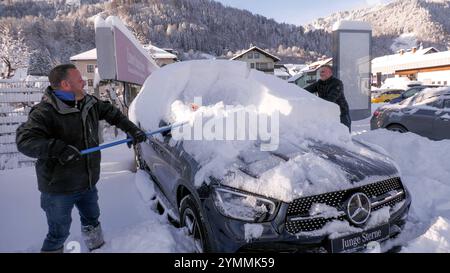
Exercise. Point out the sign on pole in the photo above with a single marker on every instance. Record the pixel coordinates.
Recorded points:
(120, 56)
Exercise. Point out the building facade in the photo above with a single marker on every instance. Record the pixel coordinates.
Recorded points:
(310, 73)
(86, 63)
(425, 65)
(258, 59)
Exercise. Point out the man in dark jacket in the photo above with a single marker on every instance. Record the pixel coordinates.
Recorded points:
(63, 123)
(332, 89)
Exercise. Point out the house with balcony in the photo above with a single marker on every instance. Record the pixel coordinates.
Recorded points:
(258, 59)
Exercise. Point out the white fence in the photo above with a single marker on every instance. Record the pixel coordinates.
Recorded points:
(16, 100)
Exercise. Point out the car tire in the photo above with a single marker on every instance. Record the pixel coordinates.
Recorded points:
(191, 218)
(397, 128)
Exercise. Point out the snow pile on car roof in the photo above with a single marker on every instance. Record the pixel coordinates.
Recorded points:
(168, 93)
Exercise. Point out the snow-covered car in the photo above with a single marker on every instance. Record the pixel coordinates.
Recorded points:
(315, 190)
(426, 114)
(411, 92)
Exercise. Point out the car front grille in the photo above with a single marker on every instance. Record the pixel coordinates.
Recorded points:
(298, 218)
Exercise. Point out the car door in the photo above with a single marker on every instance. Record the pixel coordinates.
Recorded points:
(170, 173)
(441, 124)
(159, 157)
(418, 119)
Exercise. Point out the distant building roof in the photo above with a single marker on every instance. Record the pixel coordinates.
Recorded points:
(313, 67)
(275, 58)
(296, 77)
(409, 60)
(280, 72)
(316, 65)
(85, 56)
(158, 53)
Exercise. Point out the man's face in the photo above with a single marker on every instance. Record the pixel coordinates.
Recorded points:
(74, 82)
(325, 73)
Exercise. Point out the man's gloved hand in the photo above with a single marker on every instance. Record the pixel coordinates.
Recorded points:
(137, 135)
(69, 154)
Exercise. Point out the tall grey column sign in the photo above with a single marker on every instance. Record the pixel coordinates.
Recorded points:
(352, 55)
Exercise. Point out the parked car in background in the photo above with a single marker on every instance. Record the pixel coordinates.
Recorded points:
(411, 92)
(427, 114)
(376, 92)
(388, 95)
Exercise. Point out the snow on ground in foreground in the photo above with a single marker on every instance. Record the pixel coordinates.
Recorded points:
(129, 223)
(425, 171)
(435, 240)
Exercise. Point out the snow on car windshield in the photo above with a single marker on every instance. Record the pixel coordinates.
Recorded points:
(172, 93)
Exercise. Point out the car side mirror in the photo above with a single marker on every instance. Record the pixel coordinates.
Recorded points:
(166, 134)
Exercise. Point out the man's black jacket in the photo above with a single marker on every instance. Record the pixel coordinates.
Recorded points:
(51, 126)
(331, 90)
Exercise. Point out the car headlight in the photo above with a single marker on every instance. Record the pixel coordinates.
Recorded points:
(243, 206)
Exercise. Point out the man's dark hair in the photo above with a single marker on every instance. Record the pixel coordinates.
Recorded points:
(59, 73)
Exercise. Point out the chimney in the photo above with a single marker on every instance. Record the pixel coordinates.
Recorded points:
(401, 51)
(414, 49)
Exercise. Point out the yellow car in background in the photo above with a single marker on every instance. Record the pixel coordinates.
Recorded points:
(388, 95)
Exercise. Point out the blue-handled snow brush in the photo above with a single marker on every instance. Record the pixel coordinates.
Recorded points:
(119, 142)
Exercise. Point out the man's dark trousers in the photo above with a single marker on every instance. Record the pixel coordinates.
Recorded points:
(58, 209)
(346, 120)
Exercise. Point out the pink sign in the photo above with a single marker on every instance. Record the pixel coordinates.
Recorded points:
(132, 65)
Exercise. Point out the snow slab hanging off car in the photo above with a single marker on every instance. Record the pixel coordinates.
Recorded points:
(315, 155)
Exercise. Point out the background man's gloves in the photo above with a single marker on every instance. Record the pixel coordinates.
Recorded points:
(138, 136)
(69, 154)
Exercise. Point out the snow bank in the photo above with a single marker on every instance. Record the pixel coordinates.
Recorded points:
(425, 171)
(398, 83)
(421, 164)
(435, 240)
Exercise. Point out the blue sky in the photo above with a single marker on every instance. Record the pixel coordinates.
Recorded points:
(298, 11)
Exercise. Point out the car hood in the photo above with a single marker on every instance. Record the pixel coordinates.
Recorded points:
(312, 168)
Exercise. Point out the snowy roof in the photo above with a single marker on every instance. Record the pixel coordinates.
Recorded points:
(279, 72)
(295, 77)
(392, 63)
(352, 25)
(85, 56)
(316, 65)
(275, 58)
(158, 53)
(311, 68)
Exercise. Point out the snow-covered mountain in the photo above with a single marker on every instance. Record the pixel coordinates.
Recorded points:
(400, 24)
(46, 32)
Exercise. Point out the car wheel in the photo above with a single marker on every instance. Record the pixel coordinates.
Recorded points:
(397, 128)
(193, 221)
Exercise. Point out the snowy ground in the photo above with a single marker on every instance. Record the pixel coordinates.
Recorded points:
(129, 222)
(131, 225)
